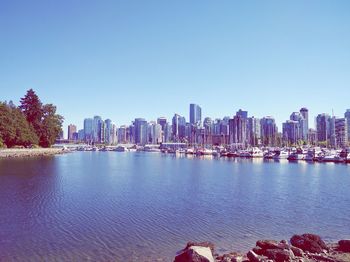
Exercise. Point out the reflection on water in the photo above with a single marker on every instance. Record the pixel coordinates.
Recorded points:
(140, 207)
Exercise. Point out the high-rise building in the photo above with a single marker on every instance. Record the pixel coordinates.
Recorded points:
(305, 124)
(291, 132)
(71, 130)
(96, 129)
(268, 131)
(178, 128)
(195, 114)
(341, 132)
(238, 130)
(141, 130)
(323, 127)
(122, 139)
(110, 132)
(81, 135)
(347, 116)
(254, 131)
(88, 129)
(162, 122)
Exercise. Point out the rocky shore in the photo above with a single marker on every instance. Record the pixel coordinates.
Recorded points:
(30, 152)
(300, 248)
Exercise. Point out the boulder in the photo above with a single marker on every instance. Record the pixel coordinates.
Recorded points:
(309, 242)
(195, 254)
(201, 244)
(344, 245)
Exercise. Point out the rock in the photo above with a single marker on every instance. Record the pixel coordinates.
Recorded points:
(201, 244)
(297, 251)
(253, 257)
(279, 255)
(309, 242)
(259, 251)
(272, 244)
(344, 245)
(195, 254)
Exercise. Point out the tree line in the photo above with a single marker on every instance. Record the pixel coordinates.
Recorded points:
(31, 123)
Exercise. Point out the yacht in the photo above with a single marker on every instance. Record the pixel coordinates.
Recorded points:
(256, 152)
(281, 154)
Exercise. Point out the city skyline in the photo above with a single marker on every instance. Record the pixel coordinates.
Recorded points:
(99, 59)
(241, 130)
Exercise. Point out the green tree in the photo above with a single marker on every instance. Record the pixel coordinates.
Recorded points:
(46, 123)
(51, 125)
(31, 107)
(14, 128)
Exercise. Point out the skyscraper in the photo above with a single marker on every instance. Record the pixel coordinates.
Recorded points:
(305, 125)
(347, 116)
(71, 130)
(141, 129)
(96, 129)
(195, 114)
(323, 127)
(88, 129)
(268, 131)
(341, 132)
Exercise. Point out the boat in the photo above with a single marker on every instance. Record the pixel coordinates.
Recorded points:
(297, 155)
(269, 154)
(281, 154)
(189, 151)
(232, 154)
(121, 149)
(256, 153)
(331, 156)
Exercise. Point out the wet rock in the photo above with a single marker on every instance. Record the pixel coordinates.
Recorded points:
(344, 245)
(309, 242)
(195, 254)
(201, 244)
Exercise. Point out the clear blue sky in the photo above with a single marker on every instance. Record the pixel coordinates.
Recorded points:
(127, 59)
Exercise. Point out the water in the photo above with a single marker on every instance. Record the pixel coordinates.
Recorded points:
(142, 206)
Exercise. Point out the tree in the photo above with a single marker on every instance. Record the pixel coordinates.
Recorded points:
(31, 107)
(51, 125)
(14, 128)
(46, 123)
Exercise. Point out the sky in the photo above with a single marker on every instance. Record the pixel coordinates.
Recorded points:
(127, 59)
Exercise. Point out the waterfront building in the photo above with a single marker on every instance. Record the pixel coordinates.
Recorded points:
(96, 129)
(167, 133)
(88, 130)
(110, 132)
(81, 135)
(178, 128)
(141, 130)
(305, 124)
(312, 136)
(341, 132)
(269, 131)
(238, 130)
(71, 130)
(208, 130)
(195, 115)
(323, 127)
(291, 132)
(347, 116)
(122, 138)
(162, 122)
(254, 131)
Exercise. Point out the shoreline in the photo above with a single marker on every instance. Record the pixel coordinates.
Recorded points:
(30, 152)
(301, 248)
